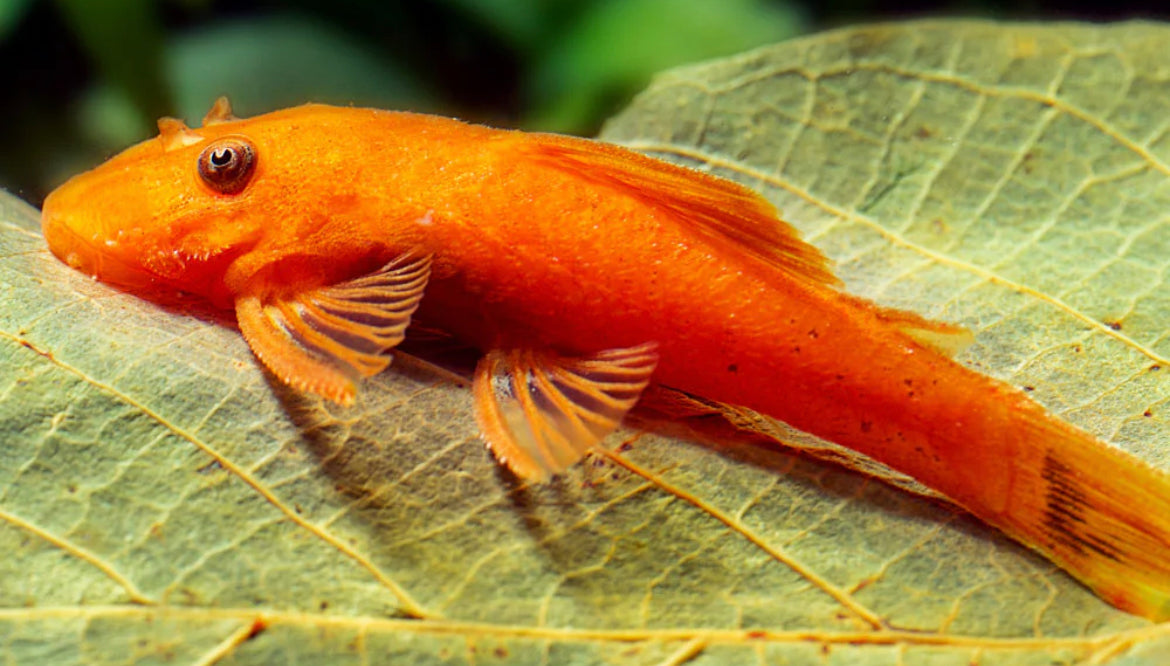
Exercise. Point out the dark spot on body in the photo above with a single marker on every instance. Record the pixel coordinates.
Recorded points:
(733, 368)
(813, 334)
(866, 426)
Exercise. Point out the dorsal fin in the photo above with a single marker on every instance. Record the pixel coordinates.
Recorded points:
(944, 338)
(733, 218)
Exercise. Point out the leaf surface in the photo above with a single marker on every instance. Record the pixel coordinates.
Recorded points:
(162, 501)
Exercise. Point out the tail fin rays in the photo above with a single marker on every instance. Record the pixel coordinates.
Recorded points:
(1101, 514)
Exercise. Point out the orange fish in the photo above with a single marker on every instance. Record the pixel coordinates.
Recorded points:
(586, 272)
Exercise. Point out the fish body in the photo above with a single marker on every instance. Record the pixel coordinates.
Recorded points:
(586, 272)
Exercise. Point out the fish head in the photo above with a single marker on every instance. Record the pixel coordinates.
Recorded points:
(187, 209)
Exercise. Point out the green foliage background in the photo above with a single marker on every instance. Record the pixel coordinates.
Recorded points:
(82, 79)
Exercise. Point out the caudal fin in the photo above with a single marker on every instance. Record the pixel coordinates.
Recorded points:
(1101, 514)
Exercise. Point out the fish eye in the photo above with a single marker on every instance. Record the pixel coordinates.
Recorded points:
(227, 164)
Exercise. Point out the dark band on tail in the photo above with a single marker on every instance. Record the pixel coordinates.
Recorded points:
(1066, 514)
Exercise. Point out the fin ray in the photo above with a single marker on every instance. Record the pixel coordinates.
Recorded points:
(1102, 515)
(309, 336)
(288, 362)
(733, 218)
(541, 412)
(321, 340)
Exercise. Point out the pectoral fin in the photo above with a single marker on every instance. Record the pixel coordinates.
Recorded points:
(321, 340)
(541, 412)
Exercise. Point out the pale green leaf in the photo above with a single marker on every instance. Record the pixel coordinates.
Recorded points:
(162, 501)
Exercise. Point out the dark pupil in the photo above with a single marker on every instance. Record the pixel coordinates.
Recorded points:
(222, 157)
(227, 165)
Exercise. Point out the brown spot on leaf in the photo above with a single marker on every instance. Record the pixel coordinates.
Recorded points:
(258, 627)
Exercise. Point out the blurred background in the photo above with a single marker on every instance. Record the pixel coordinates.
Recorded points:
(82, 79)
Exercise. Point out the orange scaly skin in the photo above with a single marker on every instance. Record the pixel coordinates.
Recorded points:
(552, 243)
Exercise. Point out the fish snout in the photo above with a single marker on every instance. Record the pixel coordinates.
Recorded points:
(75, 238)
(59, 231)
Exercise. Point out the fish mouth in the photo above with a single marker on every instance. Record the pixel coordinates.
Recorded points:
(84, 255)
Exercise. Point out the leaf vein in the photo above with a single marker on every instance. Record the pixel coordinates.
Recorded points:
(132, 591)
(407, 603)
